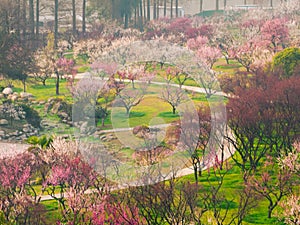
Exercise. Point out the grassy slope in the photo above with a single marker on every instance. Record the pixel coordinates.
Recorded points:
(142, 114)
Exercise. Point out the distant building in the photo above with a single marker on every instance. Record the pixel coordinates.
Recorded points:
(192, 7)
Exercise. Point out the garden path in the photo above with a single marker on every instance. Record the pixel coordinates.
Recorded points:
(5, 147)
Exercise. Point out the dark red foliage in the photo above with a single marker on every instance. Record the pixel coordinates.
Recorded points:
(206, 30)
(179, 25)
(265, 117)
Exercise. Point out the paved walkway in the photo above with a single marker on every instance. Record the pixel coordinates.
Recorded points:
(11, 149)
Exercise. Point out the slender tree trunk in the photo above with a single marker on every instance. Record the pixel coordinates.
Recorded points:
(31, 19)
(37, 19)
(271, 3)
(24, 85)
(154, 9)
(24, 20)
(127, 110)
(148, 10)
(157, 9)
(201, 5)
(176, 5)
(173, 109)
(126, 21)
(74, 17)
(141, 16)
(83, 16)
(245, 2)
(171, 8)
(113, 9)
(135, 16)
(141, 9)
(195, 173)
(18, 20)
(165, 8)
(57, 83)
(225, 4)
(55, 22)
(145, 13)
(217, 5)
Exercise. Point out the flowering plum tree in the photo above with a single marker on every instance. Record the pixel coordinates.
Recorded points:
(208, 54)
(276, 33)
(103, 69)
(63, 66)
(173, 96)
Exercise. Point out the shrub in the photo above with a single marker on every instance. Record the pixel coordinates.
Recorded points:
(288, 61)
(32, 117)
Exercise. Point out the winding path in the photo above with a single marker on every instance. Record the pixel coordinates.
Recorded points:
(11, 149)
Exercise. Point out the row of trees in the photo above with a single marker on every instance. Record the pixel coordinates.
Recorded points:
(85, 197)
(25, 18)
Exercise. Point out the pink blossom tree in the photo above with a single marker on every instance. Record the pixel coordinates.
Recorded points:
(207, 53)
(103, 69)
(276, 33)
(19, 199)
(108, 209)
(63, 66)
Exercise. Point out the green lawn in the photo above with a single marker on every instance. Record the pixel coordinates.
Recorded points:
(41, 92)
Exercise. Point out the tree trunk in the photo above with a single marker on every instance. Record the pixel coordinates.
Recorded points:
(201, 5)
(83, 16)
(217, 5)
(24, 85)
(127, 110)
(195, 173)
(171, 8)
(145, 13)
(135, 16)
(157, 9)
(57, 83)
(24, 19)
(74, 17)
(173, 109)
(113, 8)
(154, 9)
(271, 3)
(176, 5)
(225, 4)
(18, 19)
(55, 22)
(245, 2)
(141, 16)
(165, 8)
(227, 60)
(126, 21)
(31, 19)
(148, 10)
(37, 19)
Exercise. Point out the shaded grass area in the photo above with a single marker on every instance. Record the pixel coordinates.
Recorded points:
(41, 92)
